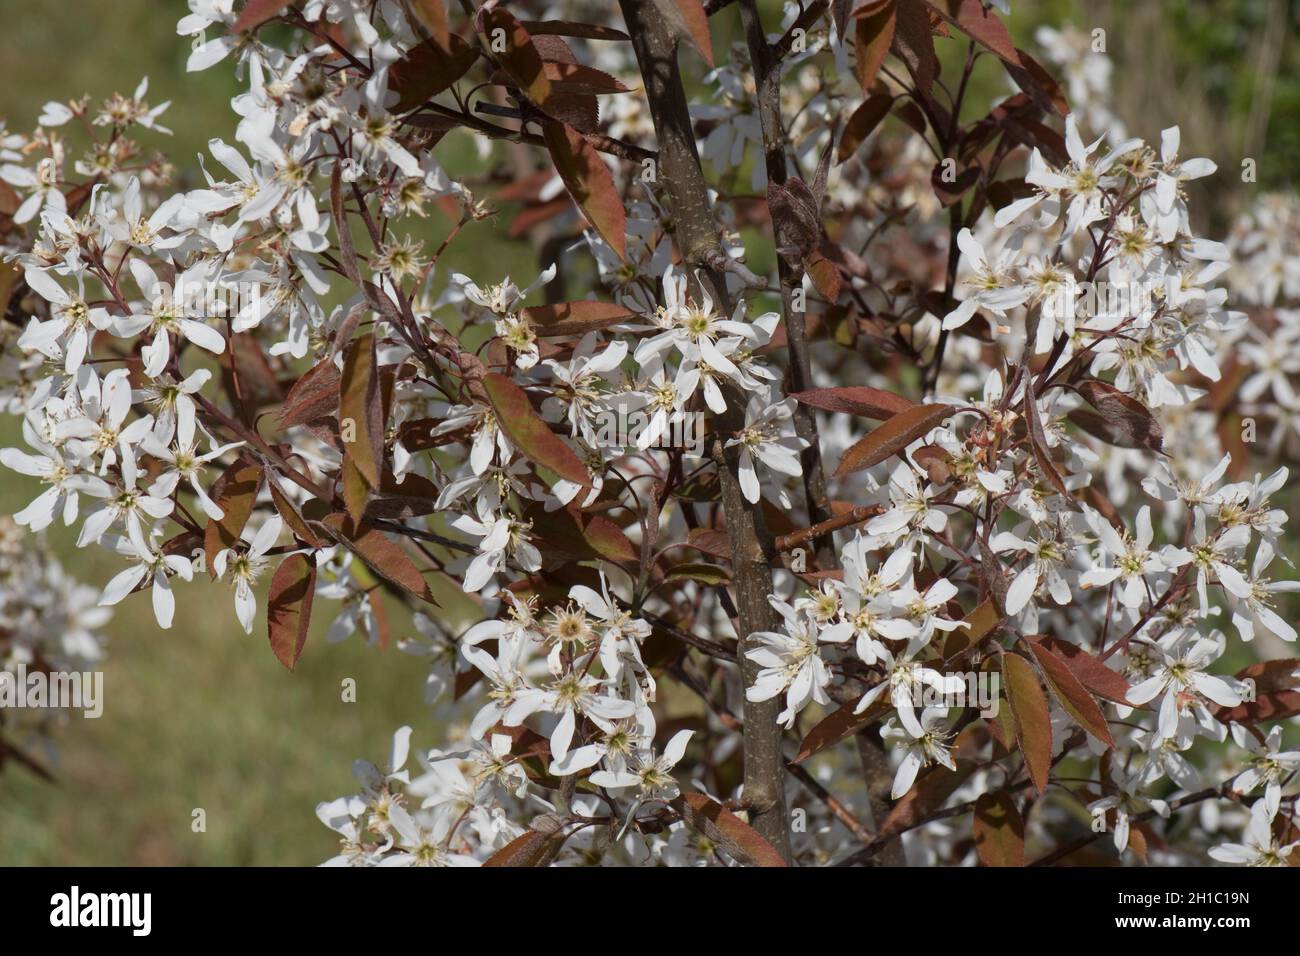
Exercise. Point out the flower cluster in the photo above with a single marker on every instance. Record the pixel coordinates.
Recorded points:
(50, 625)
(268, 378)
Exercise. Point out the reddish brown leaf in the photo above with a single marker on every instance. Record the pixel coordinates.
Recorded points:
(381, 554)
(825, 276)
(589, 182)
(1038, 84)
(313, 396)
(979, 23)
(740, 841)
(526, 430)
(609, 541)
(980, 622)
(428, 69)
(576, 318)
(1033, 721)
(936, 461)
(1131, 422)
(519, 57)
(562, 535)
(1277, 693)
(892, 437)
(1038, 442)
(288, 607)
(1091, 671)
(839, 725)
(529, 849)
(873, 34)
(931, 790)
(855, 400)
(236, 494)
(1072, 695)
(577, 78)
(257, 12)
(361, 415)
(862, 123)
(689, 21)
(433, 15)
(999, 830)
(710, 541)
(914, 43)
(567, 28)
(347, 250)
(950, 192)
(292, 517)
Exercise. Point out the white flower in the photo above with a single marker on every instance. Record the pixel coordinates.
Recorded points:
(1082, 181)
(651, 775)
(165, 316)
(762, 438)
(1254, 611)
(1124, 560)
(790, 662)
(993, 286)
(67, 334)
(906, 681)
(923, 745)
(504, 671)
(505, 297)
(246, 564)
(1181, 670)
(1260, 847)
(580, 383)
(502, 538)
(1163, 208)
(1126, 803)
(182, 461)
(910, 511)
(1047, 557)
(1269, 763)
(62, 475)
(1213, 554)
(568, 696)
(123, 502)
(148, 563)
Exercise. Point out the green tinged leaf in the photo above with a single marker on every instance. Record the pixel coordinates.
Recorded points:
(999, 830)
(361, 414)
(519, 57)
(1032, 719)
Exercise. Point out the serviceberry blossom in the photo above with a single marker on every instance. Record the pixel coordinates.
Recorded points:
(793, 444)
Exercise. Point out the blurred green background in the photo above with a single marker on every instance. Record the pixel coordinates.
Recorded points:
(203, 715)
